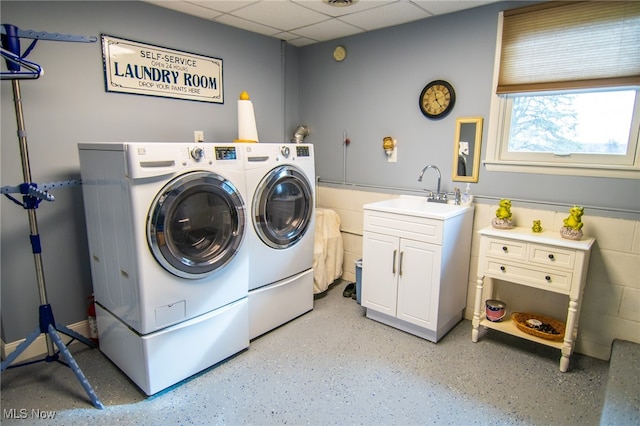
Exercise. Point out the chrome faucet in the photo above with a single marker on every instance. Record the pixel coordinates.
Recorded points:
(437, 197)
(457, 196)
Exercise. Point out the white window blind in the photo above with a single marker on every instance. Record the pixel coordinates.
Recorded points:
(568, 45)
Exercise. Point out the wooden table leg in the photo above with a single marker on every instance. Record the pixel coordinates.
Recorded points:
(477, 310)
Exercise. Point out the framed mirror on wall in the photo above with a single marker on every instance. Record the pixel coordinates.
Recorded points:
(466, 149)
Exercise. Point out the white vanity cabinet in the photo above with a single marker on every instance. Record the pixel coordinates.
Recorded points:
(415, 267)
(400, 278)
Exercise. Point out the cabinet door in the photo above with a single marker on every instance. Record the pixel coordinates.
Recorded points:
(419, 283)
(379, 272)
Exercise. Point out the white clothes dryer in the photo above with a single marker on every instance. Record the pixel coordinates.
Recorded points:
(166, 224)
(281, 191)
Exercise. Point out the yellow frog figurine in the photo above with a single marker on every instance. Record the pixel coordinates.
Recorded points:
(537, 226)
(572, 229)
(503, 215)
(574, 221)
(504, 211)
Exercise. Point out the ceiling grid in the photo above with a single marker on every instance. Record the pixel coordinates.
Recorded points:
(305, 22)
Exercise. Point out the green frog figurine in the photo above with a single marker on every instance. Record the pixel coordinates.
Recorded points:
(572, 229)
(537, 226)
(503, 215)
(504, 211)
(574, 220)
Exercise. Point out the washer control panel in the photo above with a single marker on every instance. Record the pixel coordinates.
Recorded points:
(302, 151)
(226, 153)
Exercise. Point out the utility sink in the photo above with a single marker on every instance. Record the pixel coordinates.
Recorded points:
(417, 206)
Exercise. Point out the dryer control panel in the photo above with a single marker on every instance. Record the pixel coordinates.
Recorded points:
(303, 151)
(226, 153)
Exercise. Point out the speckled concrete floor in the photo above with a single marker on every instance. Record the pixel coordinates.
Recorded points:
(332, 366)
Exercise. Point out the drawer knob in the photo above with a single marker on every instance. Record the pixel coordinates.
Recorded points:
(548, 278)
(551, 257)
(505, 249)
(502, 268)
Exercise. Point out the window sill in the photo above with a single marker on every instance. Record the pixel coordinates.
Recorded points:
(573, 170)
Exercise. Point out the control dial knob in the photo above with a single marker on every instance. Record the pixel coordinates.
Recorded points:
(197, 153)
(285, 151)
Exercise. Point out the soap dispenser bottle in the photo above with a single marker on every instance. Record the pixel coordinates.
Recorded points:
(466, 199)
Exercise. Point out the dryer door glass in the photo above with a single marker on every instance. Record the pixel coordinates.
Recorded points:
(282, 207)
(196, 224)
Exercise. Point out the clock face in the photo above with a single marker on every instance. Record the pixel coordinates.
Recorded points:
(437, 99)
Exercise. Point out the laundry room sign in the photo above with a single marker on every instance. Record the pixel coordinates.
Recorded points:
(144, 69)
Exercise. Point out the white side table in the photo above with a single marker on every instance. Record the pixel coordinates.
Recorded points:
(541, 260)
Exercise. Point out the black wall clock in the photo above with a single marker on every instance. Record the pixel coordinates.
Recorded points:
(437, 99)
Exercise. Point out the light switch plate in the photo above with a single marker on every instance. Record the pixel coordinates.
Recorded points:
(393, 158)
(198, 136)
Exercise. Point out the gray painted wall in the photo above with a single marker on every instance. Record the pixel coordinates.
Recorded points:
(69, 104)
(373, 93)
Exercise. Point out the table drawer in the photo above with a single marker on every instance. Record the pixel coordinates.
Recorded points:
(505, 249)
(548, 280)
(552, 256)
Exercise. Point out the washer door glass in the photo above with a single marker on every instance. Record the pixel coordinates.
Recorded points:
(196, 224)
(282, 207)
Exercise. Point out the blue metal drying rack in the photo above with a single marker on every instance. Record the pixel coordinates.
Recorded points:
(32, 195)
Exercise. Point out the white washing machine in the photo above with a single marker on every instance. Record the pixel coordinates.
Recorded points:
(167, 225)
(281, 191)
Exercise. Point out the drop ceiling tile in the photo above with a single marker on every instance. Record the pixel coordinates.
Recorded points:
(300, 42)
(335, 11)
(442, 7)
(225, 6)
(285, 35)
(251, 26)
(188, 8)
(294, 39)
(328, 30)
(280, 14)
(386, 16)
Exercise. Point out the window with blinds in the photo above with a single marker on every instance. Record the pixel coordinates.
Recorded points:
(567, 84)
